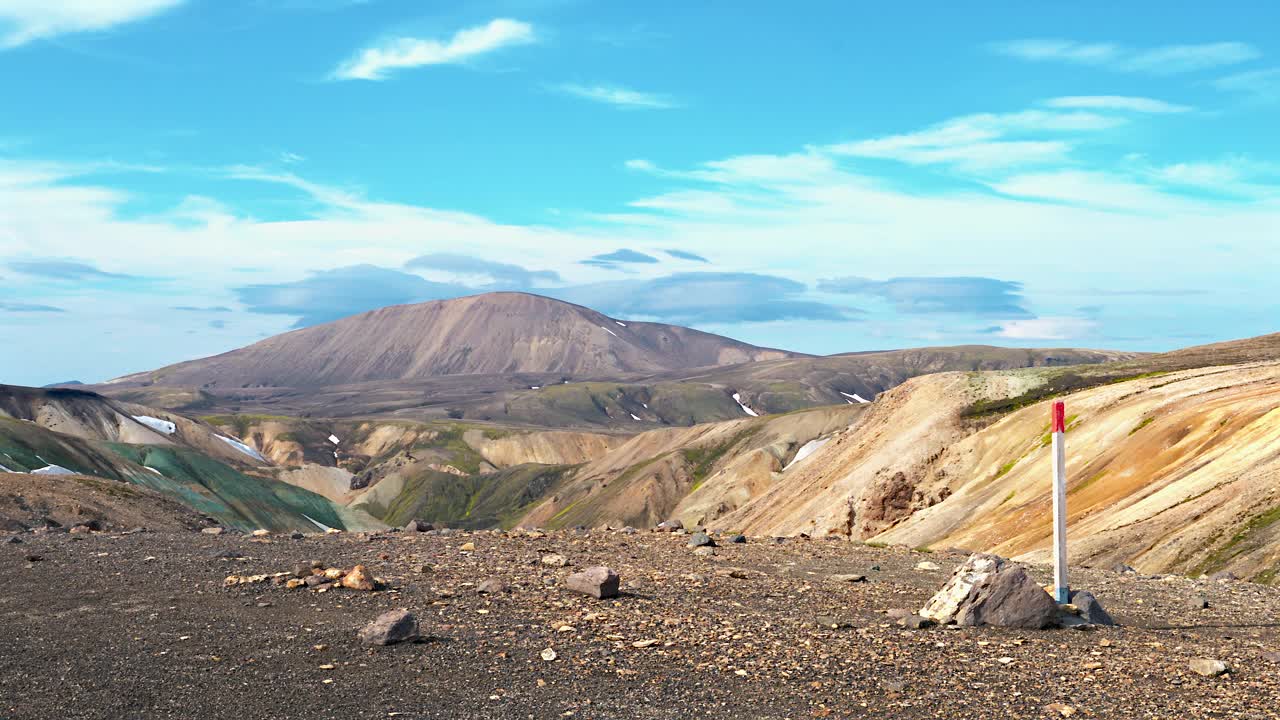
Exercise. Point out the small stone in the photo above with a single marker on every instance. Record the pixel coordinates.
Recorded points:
(468, 547)
(704, 551)
(1059, 710)
(492, 586)
(14, 540)
(898, 613)
(701, 540)
(315, 581)
(848, 578)
(1197, 603)
(260, 533)
(599, 582)
(1123, 569)
(213, 531)
(416, 525)
(1209, 667)
(628, 530)
(928, 566)
(302, 570)
(390, 628)
(829, 621)
(554, 560)
(1090, 610)
(333, 574)
(737, 539)
(549, 655)
(359, 579)
(292, 583)
(1224, 576)
(295, 535)
(670, 526)
(80, 529)
(916, 622)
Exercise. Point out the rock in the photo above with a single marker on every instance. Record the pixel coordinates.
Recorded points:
(295, 535)
(916, 622)
(13, 540)
(1272, 657)
(989, 590)
(848, 578)
(628, 530)
(549, 655)
(416, 525)
(468, 547)
(315, 581)
(1123, 569)
(737, 539)
(1223, 576)
(1197, 603)
(670, 526)
(701, 540)
(598, 582)
(492, 586)
(829, 621)
(1209, 667)
(359, 579)
(81, 529)
(213, 531)
(1059, 710)
(302, 570)
(1089, 609)
(260, 533)
(554, 560)
(705, 551)
(333, 573)
(390, 628)
(928, 566)
(898, 613)
(292, 583)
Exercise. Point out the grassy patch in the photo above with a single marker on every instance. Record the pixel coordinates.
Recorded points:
(1087, 483)
(1005, 469)
(1145, 422)
(1007, 498)
(1232, 548)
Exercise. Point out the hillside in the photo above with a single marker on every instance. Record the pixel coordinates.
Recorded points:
(494, 333)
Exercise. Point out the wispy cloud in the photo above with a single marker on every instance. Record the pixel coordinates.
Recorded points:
(1116, 102)
(1261, 84)
(1046, 328)
(374, 63)
(930, 295)
(1161, 60)
(57, 269)
(22, 21)
(617, 96)
(13, 307)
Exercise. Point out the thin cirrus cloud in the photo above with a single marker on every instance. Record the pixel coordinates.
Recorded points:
(1117, 102)
(1160, 60)
(620, 97)
(1261, 84)
(377, 62)
(65, 270)
(13, 307)
(24, 21)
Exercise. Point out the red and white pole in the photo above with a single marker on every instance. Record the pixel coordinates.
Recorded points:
(1061, 589)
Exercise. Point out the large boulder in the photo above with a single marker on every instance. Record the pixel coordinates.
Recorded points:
(598, 582)
(1091, 611)
(989, 590)
(390, 628)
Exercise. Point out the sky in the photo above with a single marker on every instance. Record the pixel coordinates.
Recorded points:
(179, 178)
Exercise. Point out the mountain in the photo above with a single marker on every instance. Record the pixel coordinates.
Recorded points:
(490, 334)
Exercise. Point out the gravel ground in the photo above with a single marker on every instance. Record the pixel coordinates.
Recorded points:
(113, 625)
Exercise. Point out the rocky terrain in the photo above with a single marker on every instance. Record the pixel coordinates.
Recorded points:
(110, 624)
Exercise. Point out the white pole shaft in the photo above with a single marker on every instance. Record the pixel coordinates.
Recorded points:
(1061, 587)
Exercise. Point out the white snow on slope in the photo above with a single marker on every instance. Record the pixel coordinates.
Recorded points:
(334, 439)
(5, 469)
(241, 447)
(805, 451)
(317, 523)
(609, 331)
(737, 397)
(535, 387)
(52, 470)
(620, 323)
(855, 396)
(157, 424)
(633, 417)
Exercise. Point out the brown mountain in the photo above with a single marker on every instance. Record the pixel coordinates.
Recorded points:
(494, 333)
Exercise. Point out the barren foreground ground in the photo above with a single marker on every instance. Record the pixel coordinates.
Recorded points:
(131, 626)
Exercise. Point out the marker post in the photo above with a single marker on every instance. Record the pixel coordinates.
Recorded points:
(1061, 589)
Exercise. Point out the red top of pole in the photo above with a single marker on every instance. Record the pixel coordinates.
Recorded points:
(1059, 417)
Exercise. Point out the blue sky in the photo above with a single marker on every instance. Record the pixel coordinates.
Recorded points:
(183, 177)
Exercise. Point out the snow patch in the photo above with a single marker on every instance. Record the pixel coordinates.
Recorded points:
(241, 447)
(317, 523)
(609, 331)
(737, 397)
(646, 405)
(53, 470)
(805, 451)
(620, 323)
(854, 397)
(157, 424)
(334, 439)
(535, 387)
(633, 417)
(5, 469)
(154, 470)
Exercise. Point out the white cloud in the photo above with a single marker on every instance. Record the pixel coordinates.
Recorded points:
(984, 141)
(1262, 84)
(22, 21)
(1047, 328)
(373, 63)
(618, 96)
(1116, 102)
(1161, 60)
